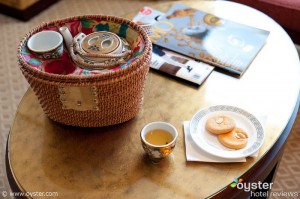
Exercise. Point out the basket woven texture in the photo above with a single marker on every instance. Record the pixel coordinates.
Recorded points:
(118, 94)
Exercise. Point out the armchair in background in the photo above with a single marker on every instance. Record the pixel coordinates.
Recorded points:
(284, 12)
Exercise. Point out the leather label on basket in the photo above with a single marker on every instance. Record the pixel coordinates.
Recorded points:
(79, 98)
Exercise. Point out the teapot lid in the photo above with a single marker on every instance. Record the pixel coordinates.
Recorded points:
(101, 42)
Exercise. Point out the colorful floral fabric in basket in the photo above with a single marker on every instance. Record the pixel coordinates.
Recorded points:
(66, 66)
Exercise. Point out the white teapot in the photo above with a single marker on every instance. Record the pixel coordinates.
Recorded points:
(98, 50)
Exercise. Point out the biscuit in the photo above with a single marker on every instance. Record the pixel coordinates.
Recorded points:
(235, 139)
(220, 124)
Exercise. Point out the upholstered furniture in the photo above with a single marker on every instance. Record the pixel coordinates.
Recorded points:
(284, 12)
(24, 9)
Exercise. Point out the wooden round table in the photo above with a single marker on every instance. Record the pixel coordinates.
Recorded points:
(109, 162)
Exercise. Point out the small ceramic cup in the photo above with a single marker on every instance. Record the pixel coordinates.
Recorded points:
(46, 44)
(156, 152)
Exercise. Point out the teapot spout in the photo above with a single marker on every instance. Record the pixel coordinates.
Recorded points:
(67, 36)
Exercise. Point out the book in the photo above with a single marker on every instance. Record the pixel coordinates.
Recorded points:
(206, 37)
(180, 66)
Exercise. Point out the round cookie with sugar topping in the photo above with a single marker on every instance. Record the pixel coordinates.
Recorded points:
(235, 139)
(220, 124)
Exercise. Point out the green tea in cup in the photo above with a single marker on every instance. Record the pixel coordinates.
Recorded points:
(159, 137)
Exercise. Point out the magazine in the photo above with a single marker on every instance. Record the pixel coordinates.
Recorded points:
(206, 37)
(147, 15)
(170, 62)
(180, 66)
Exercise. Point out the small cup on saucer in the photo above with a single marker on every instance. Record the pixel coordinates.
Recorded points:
(158, 140)
(46, 44)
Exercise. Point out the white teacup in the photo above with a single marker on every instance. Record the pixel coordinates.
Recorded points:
(158, 140)
(46, 44)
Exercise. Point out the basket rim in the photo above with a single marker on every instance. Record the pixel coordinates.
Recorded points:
(79, 83)
(50, 76)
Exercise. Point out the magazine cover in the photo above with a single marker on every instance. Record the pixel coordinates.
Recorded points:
(147, 15)
(203, 36)
(180, 66)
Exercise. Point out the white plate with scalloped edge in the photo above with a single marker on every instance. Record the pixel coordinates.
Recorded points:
(209, 142)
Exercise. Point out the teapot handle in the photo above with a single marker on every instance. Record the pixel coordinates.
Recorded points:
(85, 63)
(106, 43)
(78, 48)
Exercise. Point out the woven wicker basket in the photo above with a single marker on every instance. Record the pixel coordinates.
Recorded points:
(94, 100)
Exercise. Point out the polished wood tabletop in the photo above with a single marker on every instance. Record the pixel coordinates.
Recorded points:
(109, 162)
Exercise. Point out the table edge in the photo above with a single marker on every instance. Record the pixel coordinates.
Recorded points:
(268, 162)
